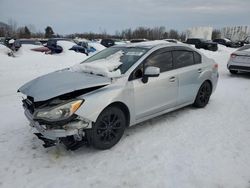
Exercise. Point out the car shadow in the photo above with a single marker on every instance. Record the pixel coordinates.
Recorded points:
(157, 121)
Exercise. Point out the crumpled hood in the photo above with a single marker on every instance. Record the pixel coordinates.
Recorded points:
(61, 82)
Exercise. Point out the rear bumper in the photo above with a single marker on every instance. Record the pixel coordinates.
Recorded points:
(239, 68)
(74, 128)
(245, 67)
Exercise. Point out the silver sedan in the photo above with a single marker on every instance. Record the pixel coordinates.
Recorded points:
(93, 102)
(240, 60)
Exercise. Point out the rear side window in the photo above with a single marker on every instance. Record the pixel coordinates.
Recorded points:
(162, 60)
(183, 58)
(197, 58)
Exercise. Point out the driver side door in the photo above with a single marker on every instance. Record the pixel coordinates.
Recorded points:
(159, 93)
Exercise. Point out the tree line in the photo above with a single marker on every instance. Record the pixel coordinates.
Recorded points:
(155, 33)
(11, 30)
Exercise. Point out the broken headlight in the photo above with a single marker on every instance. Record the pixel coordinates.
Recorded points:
(60, 112)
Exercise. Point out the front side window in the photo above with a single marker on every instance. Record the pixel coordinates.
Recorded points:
(183, 58)
(162, 60)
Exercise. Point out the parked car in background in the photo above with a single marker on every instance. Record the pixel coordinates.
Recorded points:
(52, 45)
(202, 43)
(96, 100)
(138, 40)
(227, 43)
(79, 49)
(8, 41)
(19, 42)
(107, 42)
(245, 41)
(240, 60)
(43, 41)
(2, 39)
(85, 44)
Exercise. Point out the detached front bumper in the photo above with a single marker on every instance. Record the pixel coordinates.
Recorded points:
(74, 128)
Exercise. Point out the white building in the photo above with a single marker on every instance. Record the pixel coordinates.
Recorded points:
(200, 32)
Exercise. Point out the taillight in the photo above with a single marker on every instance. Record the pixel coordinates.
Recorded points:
(233, 56)
(215, 67)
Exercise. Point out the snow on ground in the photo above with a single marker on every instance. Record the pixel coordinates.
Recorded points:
(4, 50)
(188, 148)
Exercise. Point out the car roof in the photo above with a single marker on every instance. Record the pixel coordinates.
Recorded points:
(152, 44)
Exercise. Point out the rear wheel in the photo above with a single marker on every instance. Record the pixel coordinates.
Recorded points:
(203, 95)
(233, 71)
(108, 128)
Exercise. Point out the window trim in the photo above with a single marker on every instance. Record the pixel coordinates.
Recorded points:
(185, 50)
(166, 49)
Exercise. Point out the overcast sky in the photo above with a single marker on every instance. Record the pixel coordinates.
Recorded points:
(70, 16)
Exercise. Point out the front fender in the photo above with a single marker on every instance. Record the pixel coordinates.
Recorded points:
(95, 102)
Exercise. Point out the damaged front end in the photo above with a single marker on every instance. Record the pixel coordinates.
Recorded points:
(56, 122)
(52, 101)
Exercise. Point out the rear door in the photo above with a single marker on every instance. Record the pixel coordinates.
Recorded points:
(188, 64)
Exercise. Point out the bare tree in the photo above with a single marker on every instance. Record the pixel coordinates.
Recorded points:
(12, 27)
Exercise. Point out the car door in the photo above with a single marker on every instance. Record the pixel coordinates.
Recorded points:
(188, 64)
(159, 93)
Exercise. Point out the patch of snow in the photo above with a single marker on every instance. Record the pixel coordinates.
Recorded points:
(105, 67)
(120, 43)
(26, 49)
(11, 41)
(66, 45)
(4, 50)
(227, 40)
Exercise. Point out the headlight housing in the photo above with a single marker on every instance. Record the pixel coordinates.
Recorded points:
(60, 112)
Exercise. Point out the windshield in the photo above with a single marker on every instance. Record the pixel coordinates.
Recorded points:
(113, 59)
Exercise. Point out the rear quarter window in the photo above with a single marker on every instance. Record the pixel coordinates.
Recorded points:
(183, 58)
(197, 58)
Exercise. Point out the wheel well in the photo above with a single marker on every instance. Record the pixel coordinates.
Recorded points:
(209, 83)
(124, 108)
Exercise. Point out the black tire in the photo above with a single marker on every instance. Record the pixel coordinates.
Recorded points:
(203, 95)
(233, 71)
(108, 128)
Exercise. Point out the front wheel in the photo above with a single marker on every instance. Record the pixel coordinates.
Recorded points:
(203, 95)
(108, 128)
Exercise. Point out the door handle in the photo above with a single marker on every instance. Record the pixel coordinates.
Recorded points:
(199, 70)
(172, 79)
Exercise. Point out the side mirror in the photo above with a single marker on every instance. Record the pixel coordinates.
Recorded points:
(150, 72)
